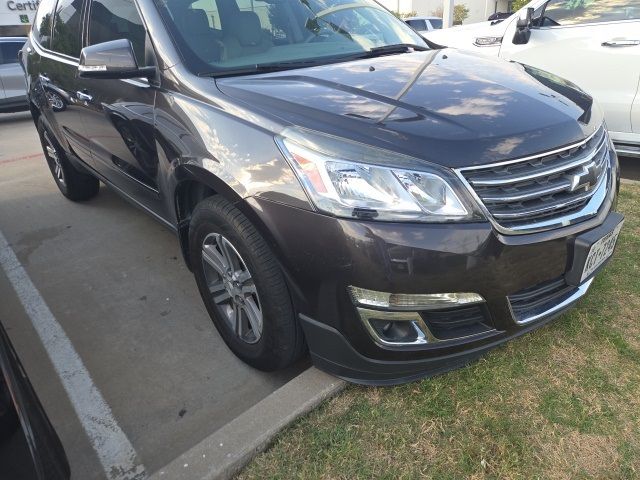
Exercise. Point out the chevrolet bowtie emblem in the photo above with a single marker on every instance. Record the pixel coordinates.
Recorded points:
(586, 178)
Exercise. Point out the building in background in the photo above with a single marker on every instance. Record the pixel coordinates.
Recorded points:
(16, 17)
(479, 10)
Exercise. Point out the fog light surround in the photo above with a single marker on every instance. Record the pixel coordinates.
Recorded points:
(410, 301)
(414, 331)
(393, 319)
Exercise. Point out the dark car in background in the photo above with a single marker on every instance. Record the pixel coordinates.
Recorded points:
(334, 183)
(13, 91)
(29, 446)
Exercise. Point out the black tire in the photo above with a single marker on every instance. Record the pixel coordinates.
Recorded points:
(281, 342)
(74, 184)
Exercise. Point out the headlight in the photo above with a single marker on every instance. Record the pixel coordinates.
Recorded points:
(487, 41)
(346, 188)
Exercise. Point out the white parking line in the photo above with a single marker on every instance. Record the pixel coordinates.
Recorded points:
(115, 452)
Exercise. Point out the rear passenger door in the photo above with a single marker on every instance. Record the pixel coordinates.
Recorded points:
(120, 113)
(58, 42)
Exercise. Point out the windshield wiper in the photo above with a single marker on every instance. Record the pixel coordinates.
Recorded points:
(262, 68)
(290, 65)
(391, 49)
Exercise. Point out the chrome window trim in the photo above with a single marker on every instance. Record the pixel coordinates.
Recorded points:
(45, 52)
(578, 25)
(75, 62)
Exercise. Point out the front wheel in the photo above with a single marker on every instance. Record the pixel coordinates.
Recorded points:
(243, 287)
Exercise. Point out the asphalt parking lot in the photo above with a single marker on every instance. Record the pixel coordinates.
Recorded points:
(114, 280)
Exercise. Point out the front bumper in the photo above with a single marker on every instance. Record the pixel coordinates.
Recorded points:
(322, 256)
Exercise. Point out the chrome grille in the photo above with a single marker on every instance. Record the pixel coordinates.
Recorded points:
(541, 192)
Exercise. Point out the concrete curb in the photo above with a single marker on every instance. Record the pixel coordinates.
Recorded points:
(222, 454)
(629, 182)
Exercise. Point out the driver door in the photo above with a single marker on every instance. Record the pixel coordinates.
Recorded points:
(119, 114)
(594, 44)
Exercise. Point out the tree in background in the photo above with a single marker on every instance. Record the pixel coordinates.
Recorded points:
(460, 13)
(518, 4)
(405, 14)
(438, 12)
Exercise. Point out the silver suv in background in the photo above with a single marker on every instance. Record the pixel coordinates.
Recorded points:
(13, 90)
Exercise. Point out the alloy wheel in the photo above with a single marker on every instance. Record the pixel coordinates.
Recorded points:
(54, 159)
(232, 288)
(55, 101)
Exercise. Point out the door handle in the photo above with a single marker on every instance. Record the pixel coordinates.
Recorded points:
(621, 43)
(83, 96)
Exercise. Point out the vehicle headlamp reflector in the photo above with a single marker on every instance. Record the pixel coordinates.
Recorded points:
(349, 188)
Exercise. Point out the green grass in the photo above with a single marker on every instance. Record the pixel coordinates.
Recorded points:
(561, 402)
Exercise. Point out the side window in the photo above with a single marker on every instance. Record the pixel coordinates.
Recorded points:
(66, 27)
(115, 19)
(417, 24)
(9, 52)
(42, 23)
(580, 12)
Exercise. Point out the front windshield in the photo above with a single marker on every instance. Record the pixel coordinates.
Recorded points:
(218, 36)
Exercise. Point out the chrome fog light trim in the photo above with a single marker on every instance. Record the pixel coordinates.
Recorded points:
(411, 301)
(423, 334)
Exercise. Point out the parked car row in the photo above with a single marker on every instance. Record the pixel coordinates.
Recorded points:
(594, 44)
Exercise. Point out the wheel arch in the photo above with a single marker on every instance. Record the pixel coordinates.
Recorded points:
(194, 184)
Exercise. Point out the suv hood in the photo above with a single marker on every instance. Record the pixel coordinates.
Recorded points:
(444, 106)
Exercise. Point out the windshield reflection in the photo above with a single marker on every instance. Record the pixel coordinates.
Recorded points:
(218, 35)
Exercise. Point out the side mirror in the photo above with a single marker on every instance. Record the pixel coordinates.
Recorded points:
(523, 28)
(112, 60)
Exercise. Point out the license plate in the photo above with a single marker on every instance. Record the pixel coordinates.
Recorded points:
(600, 252)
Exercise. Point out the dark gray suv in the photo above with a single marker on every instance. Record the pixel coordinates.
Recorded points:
(334, 182)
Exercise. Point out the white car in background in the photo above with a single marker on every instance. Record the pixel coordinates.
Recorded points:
(424, 24)
(592, 43)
